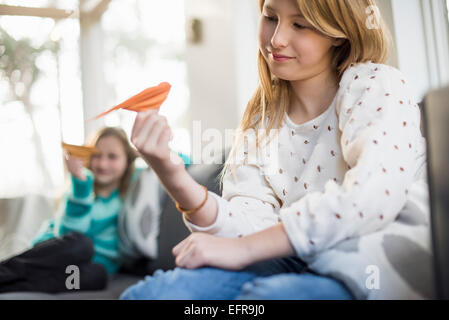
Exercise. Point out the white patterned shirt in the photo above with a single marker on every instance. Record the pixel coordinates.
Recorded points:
(350, 189)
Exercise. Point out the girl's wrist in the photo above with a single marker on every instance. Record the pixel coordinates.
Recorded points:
(249, 250)
(79, 175)
(82, 188)
(176, 182)
(206, 216)
(167, 167)
(267, 244)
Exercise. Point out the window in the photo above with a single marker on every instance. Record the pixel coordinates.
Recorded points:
(421, 27)
(30, 126)
(447, 9)
(145, 45)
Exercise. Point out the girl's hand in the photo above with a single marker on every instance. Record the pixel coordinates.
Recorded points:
(151, 135)
(201, 249)
(75, 166)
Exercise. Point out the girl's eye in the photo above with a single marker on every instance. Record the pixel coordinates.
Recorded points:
(298, 26)
(112, 156)
(271, 19)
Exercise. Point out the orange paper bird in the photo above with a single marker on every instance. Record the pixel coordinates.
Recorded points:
(151, 98)
(82, 152)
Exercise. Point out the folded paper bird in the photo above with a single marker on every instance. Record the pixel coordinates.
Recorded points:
(81, 152)
(151, 98)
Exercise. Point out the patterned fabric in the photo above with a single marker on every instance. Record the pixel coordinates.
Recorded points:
(139, 218)
(350, 187)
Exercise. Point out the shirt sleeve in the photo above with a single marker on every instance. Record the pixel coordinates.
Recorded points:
(46, 232)
(248, 203)
(380, 128)
(79, 201)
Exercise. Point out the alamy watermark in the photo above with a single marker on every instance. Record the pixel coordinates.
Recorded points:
(266, 155)
(372, 282)
(72, 282)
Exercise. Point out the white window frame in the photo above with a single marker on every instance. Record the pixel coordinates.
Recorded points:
(421, 32)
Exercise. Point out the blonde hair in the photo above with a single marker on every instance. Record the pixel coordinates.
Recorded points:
(342, 19)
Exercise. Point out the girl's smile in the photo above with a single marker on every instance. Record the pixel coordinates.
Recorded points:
(280, 57)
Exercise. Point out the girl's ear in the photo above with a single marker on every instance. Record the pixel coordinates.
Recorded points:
(336, 42)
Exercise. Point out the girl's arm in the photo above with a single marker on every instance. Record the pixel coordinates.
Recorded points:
(189, 194)
(201, 249)
(151, 135)
(78, 204)
(248, 204)
(78, 200)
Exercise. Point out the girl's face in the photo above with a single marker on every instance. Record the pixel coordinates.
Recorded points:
(109, 164)
(293, 49)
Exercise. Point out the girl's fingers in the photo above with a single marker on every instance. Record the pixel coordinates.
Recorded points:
(178, 248)
(141, 116)
(165, 137)
(154, 134)
(182, 260)
(142, 134)
(74, 161)
(141, 120)
(138, 123)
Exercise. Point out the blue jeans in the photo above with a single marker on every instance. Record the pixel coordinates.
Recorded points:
(275, 280)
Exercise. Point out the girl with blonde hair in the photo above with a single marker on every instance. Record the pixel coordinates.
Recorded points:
(345, 213)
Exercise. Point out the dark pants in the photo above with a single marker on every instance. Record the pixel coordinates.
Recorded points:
(44, 268)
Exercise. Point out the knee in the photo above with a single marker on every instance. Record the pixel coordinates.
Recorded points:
(168, 285)
(142, 290)
(132, 293)
(77, 237)
(295, 287)
(80, 241)
(261, 288)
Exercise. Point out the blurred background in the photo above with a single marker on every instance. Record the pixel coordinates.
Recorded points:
(65, 61)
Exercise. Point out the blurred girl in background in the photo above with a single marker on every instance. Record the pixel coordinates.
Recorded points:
(87, 233)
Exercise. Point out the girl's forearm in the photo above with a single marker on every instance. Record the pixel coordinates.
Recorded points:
(189, 194)
(270, 243)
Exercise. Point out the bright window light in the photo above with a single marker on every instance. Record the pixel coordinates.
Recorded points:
(144, 45)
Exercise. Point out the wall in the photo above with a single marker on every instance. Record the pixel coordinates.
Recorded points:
(421, 35)
(222, 71)
(386, 10)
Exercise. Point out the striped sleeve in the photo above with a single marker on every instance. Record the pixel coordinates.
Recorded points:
(78, 204)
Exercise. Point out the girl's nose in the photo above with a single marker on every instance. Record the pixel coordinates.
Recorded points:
(280, 37)
(102, 162)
